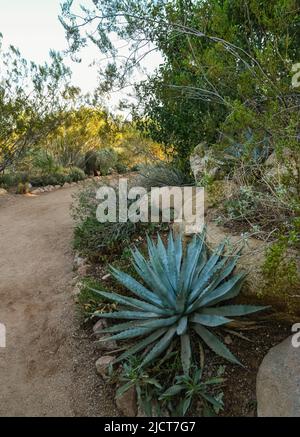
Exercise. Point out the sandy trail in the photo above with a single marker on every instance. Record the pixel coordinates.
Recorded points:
(47, 367)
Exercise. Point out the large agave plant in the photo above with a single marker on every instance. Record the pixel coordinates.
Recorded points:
(182, 292)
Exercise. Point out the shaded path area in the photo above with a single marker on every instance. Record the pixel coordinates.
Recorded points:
(47, 367)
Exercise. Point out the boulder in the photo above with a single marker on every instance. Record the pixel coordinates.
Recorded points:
(2, 192)
(203, 163)
(278, 382)
(127, 403)
(79, 261)
(276, 167)
(36, 191)
(102, 365)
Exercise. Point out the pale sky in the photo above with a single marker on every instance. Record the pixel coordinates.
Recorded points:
(33, 27)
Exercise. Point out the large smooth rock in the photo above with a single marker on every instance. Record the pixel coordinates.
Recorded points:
(278, 382)
(102, 365)
(2, 192)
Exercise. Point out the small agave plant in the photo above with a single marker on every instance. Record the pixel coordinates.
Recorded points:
(181, 291)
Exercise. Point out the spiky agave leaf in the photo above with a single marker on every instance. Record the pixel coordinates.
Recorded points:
(181, 291)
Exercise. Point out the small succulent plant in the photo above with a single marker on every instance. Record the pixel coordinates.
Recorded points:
(181, 291)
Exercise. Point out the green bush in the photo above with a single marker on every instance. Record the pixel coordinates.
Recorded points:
(72, 174)
(76, 174)
(88, 301)
(23, 188)
(95, 239)
(161, 175)
(8, 180)
(156, 398)
(107, 159)
(121, 168)
(281, 269)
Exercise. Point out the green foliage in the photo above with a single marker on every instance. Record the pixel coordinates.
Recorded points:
(161, 175)
(132, 375)
(154, 396)
(57, 177)
(12, 179)
(33, 99)
(226, 67)
(181, 291)
(280, 269)
(88, 301)
(23, 188)
(191, 387)
(107, 159)
(45, 162)
(94, 239)
(260, 209)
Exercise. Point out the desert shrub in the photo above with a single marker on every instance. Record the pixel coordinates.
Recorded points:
(12, 179)
(76, 174)
(121, 168)
(45, 162)
(107, 159)
(281, 271)
(59, 177)
(23, 188)
(156, 398)
(95, 239)
(161, 175)
(260, 208)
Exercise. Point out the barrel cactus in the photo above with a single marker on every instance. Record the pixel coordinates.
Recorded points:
(181, 291)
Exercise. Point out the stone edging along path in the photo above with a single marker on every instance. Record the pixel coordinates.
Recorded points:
(50, 188)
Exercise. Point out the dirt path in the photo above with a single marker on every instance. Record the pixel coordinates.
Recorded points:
(47, 368)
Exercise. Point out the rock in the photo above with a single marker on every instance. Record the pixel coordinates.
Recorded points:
(106, 277)
(127, 403)
(36, 191)
(2, 192)
(83, 270)
(278, 382)
(203, 163)
(77, 289)
(57, 187)
(66, 185)
(101, 324)
(108, 345)
(228, 339)
(102, 365)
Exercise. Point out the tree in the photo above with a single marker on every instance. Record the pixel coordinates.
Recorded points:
(33, 98)
(227, 66)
